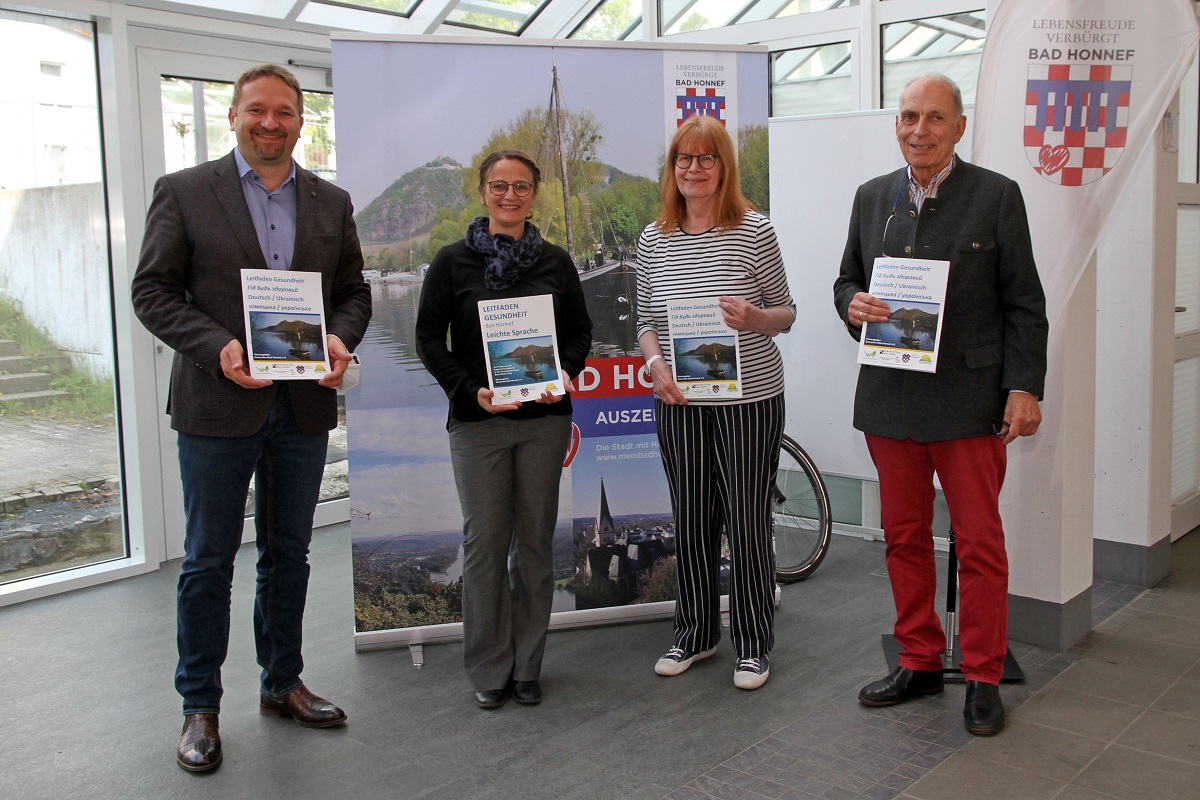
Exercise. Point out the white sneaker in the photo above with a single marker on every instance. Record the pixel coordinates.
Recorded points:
(751, 673)
(677, 660)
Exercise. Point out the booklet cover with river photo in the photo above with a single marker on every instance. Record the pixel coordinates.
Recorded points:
(915, 291)
(285, 324)
(520, 347)
(705, 354)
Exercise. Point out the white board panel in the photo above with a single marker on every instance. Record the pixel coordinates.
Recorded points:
(817, 163)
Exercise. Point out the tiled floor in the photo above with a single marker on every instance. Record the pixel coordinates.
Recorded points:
(1116, 717)
(91, 711)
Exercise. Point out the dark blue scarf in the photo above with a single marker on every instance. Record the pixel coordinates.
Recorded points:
(507, 258)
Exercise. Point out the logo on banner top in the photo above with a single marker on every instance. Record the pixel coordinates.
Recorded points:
(1076, 120)
(699, 102)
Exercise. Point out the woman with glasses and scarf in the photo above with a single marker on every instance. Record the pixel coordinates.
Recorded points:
(507, 456)
(720, 455)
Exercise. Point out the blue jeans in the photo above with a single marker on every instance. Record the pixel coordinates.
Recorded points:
(287, 467)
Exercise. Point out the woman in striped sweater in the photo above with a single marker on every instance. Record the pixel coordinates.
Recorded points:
(720, 456)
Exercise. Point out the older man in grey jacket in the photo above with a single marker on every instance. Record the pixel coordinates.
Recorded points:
(956, 421)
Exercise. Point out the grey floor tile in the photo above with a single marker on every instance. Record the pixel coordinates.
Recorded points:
(1166, 628)
(1137, 653)
(1074, 712)
(962, 776)
(1166, 735)
(1180, 604)
(1102, 679)
(1183, 699)
(1135, 775)
(1073, 792)
(1044, 751)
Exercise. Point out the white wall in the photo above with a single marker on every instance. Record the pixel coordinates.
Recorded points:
(54, 263)
(817, 163)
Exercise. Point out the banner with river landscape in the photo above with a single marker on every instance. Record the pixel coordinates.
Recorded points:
(415, 118)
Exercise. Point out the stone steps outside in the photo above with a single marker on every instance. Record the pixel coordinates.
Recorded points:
(27, 400)
(23, 382)
(20, 363)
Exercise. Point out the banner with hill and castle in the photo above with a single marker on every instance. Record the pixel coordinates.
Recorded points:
(413, 125)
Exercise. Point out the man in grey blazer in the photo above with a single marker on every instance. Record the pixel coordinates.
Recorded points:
(956, 422)
(252, 209)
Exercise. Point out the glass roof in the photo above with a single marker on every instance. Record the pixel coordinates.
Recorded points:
(604, 20)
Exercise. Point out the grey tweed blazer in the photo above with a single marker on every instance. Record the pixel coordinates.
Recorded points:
(187, 291)
(994, 329)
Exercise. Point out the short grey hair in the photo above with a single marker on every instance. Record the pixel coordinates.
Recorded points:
(938, 77)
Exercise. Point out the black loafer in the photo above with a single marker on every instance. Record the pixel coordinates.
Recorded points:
(983, 712)
(900, 685)
(527, 692)
(491, 698)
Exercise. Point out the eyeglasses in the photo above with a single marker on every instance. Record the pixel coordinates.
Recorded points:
(684, 160)
(500, 188)
(1000, 428)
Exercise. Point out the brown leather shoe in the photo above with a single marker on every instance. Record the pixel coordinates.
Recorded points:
(200, 743)
(303, 706)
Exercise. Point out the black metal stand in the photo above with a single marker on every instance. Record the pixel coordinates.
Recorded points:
(953, 654)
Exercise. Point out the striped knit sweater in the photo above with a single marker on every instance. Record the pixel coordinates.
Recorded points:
(740, 262)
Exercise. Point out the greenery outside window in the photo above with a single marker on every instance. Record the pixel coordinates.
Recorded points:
(611, 21)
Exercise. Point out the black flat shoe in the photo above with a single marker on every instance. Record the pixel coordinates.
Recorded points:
(492, 698)
(983, 712)
(527, 692)
(902, 684)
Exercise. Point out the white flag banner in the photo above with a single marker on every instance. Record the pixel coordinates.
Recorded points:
(1069, 93)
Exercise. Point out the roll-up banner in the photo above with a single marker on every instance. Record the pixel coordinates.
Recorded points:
(1070, 94)
(415, 118)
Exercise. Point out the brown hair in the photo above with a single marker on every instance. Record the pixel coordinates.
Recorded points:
(703, 134)
(268, 71)
(490, 160)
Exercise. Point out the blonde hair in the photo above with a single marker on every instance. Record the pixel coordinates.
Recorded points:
(703, 134)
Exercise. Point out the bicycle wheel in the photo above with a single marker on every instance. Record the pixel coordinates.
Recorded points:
(802, 520)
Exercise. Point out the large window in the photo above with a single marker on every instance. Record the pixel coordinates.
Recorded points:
(612, 20)
(951, 45)
(811, 80)
(189, 143)
(506, 16)
(60, 487)
(401, 7)
(681, 16)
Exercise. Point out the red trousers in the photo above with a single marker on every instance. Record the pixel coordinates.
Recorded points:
(971, 472)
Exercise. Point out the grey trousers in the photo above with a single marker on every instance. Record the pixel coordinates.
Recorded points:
(507, 473)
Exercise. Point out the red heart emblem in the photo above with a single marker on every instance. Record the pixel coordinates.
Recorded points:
(1053, 159)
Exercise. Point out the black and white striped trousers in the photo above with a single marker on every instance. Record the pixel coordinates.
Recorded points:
(721, 462)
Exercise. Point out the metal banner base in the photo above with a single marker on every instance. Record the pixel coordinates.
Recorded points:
(950, 671)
